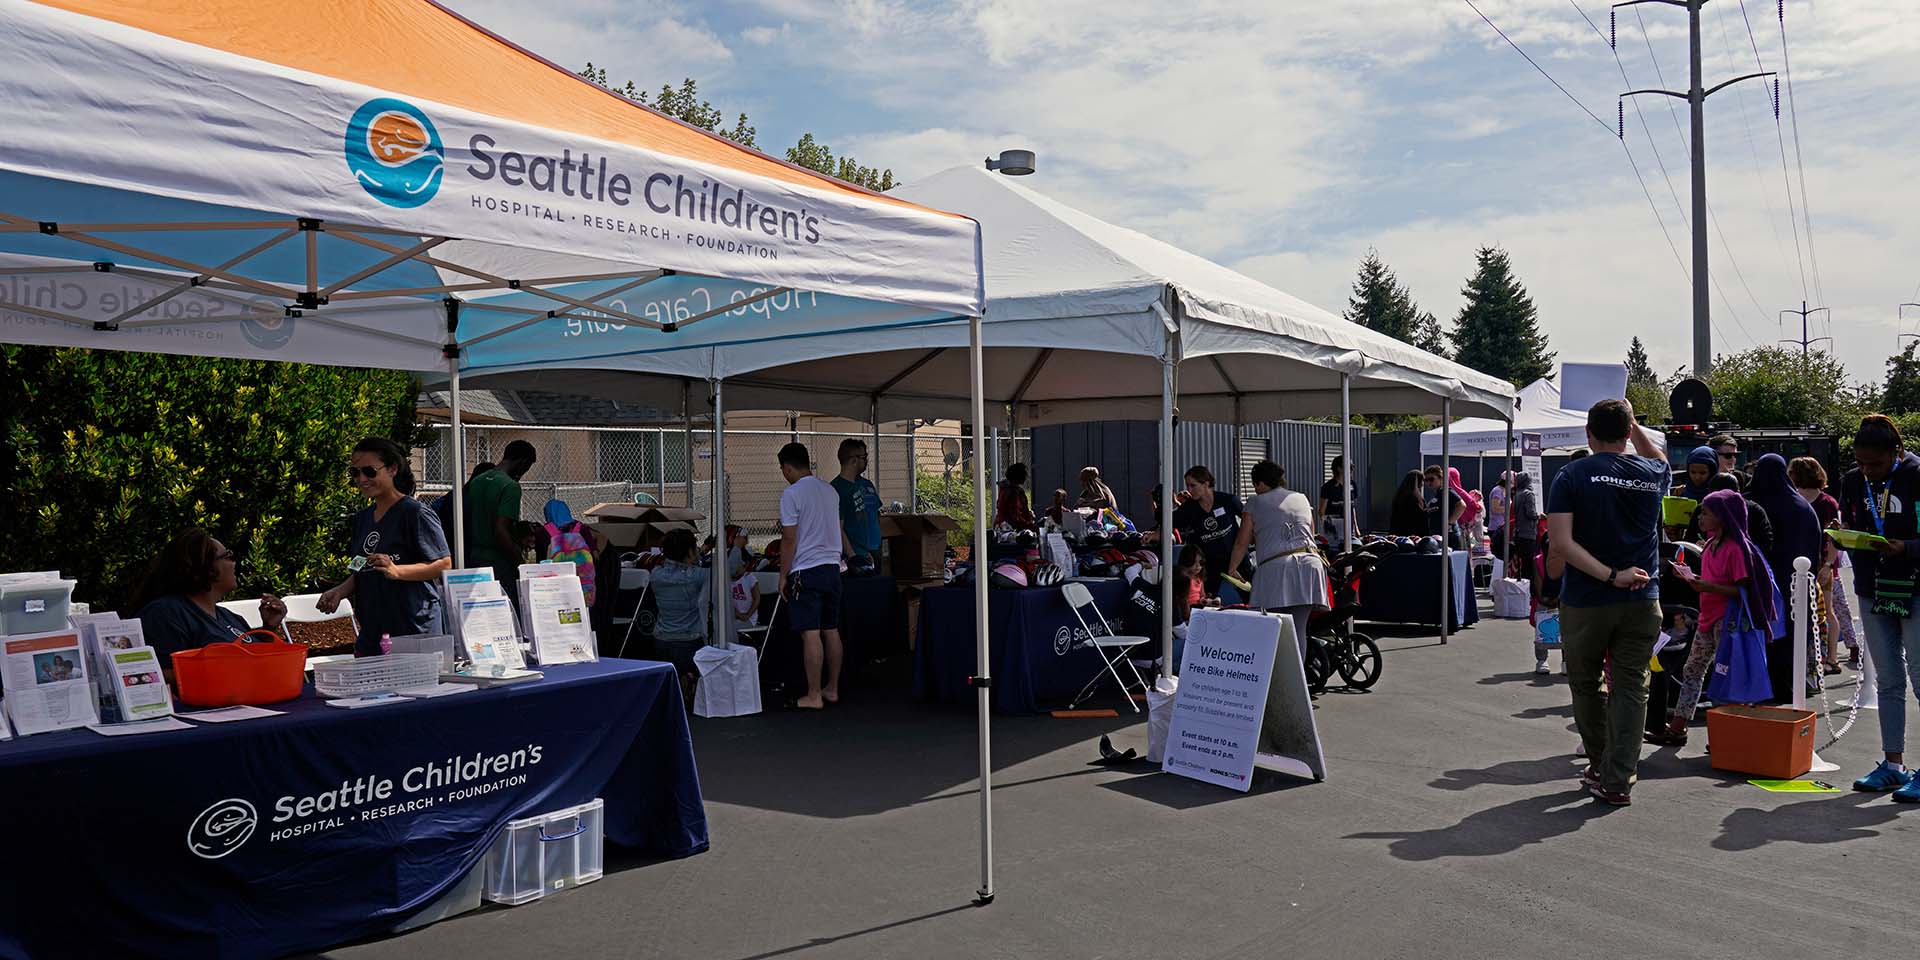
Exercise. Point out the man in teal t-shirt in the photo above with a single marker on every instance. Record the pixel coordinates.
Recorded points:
(859, 500)
(493, 507)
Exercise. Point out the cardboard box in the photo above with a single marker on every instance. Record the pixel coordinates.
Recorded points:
(910, 601)
(1773, 742)
(918, 542)
(626, 535)
(642, 513)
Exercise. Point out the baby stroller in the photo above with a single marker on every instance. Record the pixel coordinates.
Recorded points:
(1333, 646)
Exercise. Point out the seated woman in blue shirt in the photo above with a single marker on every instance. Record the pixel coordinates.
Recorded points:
(682, 594)
(178, 600)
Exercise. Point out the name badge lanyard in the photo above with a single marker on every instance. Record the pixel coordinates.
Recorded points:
(1873, 501)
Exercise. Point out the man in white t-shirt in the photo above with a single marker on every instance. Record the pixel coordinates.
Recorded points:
(811, 547)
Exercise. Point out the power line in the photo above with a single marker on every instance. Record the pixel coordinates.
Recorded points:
(1806, 209)
(1780, 138)
(1712, 215)
(1543, 71)
(1631, 162)
(1753, 151)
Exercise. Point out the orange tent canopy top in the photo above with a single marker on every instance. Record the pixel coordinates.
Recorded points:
(419, 48)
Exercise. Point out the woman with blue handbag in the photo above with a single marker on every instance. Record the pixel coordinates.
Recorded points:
(1736, 592)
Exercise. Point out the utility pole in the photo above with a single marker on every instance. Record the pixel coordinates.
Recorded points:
(1696, 97)
(1901, 312)
(1803, 313)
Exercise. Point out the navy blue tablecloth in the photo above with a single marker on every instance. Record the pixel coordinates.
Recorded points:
(873, 625)
(1031, 641)
(266, 837)
(1405, 588)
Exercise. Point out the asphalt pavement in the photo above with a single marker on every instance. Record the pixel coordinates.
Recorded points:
(1451, 824)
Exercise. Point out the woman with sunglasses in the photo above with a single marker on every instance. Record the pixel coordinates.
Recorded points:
(398, 548)
(178, 601)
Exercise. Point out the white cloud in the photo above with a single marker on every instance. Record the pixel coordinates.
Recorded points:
(761, 36)
(572, 32)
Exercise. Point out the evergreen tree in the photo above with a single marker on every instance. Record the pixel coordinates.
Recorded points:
(1428, 336)
(1644, 391)
(1380, 301)
(1498, 330)
(1902, 393)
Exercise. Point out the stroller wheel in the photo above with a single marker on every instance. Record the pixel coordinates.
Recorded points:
(1360, 668)
(1317, 665)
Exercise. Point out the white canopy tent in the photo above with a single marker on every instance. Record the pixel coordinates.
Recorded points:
(1084, 320)
(1539, 412)
(224, 178)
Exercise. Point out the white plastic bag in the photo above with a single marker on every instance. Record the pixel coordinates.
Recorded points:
(1512, 599)
(1160, 715)
(729, 681)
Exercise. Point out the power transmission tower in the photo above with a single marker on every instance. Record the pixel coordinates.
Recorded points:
(1901, 312)
(1696, 97)
(1803, 313)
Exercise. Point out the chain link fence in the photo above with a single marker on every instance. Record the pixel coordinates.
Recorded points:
(923, 471)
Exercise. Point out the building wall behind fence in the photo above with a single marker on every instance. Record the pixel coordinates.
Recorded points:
(587, 465)
(1127, 453)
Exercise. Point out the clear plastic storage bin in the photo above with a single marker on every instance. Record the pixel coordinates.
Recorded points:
(364, 675)
(34, 605)
(543, 854)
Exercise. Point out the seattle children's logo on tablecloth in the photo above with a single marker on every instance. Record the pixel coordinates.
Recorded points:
(395, 152)
(222, 828)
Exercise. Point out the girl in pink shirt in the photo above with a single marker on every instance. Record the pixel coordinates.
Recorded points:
(1730, 566)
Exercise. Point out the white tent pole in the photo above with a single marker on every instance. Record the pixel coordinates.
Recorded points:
(458, 471)
(1446, 511)
(999, 467)
(686, 414)
(1346, 462)
(1507, 524)
(873, 455)
(1239, 440)
(722, 600)
(913, 469)
(983, 682)
(1166, 506)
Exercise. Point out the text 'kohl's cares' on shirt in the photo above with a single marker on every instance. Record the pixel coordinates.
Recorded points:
(1615, 502)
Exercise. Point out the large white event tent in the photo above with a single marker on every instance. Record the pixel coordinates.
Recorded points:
(384, 183)
(1539, 412)
(1084, 320)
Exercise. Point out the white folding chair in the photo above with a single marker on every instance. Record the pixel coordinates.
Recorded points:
(248, 610)
(1112, 649)
(764, 631)
(631, 578)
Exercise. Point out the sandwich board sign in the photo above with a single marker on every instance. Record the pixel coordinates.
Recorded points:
(1242, 702)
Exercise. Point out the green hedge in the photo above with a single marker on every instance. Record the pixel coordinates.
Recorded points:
(109, 454)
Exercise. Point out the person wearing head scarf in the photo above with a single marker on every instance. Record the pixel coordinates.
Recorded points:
(1702, 465)
(1409, 517)
(1526, 527)
(1796, 528)
(1731, 568)
(1462, 512)
(1094, 491)
(1759, 525)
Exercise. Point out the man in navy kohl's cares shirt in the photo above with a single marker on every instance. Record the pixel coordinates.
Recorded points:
(1603, 527)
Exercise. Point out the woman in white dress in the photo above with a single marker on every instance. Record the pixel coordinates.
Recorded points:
(1289, 577)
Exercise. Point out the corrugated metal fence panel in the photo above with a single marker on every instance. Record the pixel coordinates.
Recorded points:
(1396, 453)
(1126, 451)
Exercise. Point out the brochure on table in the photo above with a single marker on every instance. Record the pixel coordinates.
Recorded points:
(458, 585)
(140, 690)
(556, 612)
(46, 682)
(102, 635)
(488, 634)
(1239, 704)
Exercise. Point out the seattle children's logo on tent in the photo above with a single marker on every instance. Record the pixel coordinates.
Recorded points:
(395, 152)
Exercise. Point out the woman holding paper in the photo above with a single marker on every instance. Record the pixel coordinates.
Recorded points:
(398, 549)
(178, 601)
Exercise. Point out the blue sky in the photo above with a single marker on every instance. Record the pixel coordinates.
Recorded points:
(1286, 138)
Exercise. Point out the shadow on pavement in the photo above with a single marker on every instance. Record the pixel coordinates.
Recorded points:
(1496, 830)
(1529, 677)
(874, 752)
(813, 942)
(1180, 793)
(1510, 773)
(1831, 819)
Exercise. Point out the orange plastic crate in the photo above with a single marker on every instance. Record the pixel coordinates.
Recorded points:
(1773, 742)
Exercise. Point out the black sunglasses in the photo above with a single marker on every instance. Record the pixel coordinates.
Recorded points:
(368, 472)
(1728, 454)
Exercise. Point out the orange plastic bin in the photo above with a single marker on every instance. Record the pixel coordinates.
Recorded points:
(237, 674)
(1773, 742)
